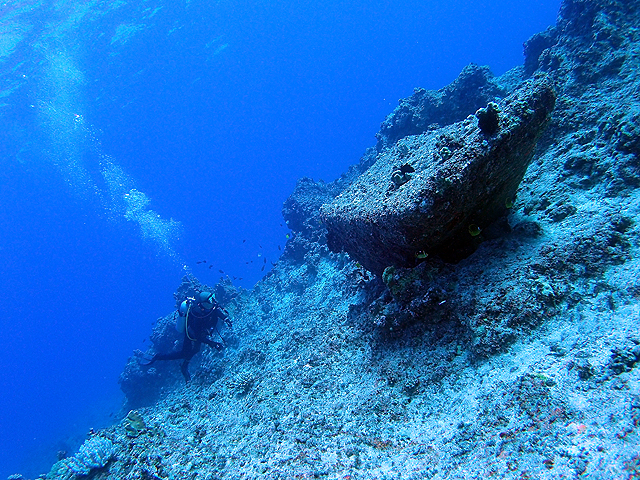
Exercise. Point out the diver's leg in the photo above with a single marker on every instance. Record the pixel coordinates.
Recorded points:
(167, 356)
(160, 356)
(184, 368)
(184, 353)
(188, 352)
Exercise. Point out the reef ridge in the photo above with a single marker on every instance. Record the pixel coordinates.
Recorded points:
(519, 360)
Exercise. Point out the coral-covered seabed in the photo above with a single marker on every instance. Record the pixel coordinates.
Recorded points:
(519, 361)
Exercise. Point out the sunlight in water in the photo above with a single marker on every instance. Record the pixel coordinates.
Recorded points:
(74, 148)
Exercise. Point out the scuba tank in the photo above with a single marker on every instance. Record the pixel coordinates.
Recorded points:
(180, 324)
(183, 312)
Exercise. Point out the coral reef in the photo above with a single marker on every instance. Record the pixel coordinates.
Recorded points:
(93, 454)
(519, 360)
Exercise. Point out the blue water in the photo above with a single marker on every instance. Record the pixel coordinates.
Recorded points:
(141, 137)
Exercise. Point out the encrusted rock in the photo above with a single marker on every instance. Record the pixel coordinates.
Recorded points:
(449, 198)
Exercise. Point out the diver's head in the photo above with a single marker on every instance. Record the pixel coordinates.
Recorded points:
(206, 300)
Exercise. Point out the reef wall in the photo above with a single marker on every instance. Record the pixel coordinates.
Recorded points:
(517, 361)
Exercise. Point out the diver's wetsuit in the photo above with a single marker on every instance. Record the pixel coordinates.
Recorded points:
(200, 323)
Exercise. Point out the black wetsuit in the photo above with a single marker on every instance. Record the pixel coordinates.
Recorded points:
(200, 324)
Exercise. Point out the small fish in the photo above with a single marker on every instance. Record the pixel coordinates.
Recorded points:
(262, 269)
(273, 263)
(239, 278)
(210, 267)
(234, 277)
(244, 240)
(247, 263)
(265, 259)
(201, 261)
(260, 246)
(222, 272)
(279, 248)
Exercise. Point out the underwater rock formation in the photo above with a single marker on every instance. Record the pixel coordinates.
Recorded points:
(462, 178)
(301, 210)
(142, 385)
(427, 110)
(520, 361)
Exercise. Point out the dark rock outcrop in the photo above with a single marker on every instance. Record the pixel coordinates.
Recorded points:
(535, 46)
(143, 384)
(301, 211)
(435, 192)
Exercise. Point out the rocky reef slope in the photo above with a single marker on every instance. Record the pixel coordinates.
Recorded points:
(517, 359)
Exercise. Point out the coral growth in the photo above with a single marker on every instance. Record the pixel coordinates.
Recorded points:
(95, 453)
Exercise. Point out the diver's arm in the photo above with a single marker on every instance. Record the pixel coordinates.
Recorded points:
(222, 314)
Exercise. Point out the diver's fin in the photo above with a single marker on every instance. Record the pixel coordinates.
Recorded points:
(145, 361)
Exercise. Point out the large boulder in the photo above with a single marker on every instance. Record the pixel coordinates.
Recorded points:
(434, 193)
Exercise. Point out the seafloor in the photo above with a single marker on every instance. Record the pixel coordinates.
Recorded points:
(518, 361)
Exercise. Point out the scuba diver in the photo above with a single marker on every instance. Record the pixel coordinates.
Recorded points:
(197, 318)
